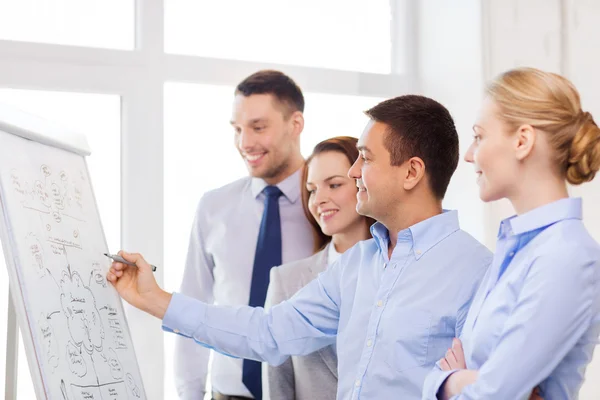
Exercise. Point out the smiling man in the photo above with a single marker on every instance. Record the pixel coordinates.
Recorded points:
(244, 228)
(394, 302)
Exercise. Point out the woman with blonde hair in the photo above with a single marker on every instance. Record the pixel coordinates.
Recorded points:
(329, 202)
(535, 320)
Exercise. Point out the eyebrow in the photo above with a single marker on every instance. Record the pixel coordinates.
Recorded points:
(478, 127)
(333, 177)
(252, 121)
(363, 148)
(327, 179)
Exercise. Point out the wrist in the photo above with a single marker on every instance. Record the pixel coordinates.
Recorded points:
(157, 302)
(445, 393)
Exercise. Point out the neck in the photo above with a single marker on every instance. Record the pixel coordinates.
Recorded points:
(344, 240)
(294, 164)
(538, 192)
(409, 213)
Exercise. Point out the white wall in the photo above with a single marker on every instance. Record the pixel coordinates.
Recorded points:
(451, 71)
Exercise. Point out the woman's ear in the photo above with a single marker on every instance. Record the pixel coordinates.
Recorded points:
(524, 141)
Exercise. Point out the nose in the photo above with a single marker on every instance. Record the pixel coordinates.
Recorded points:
(320, 197)
(354, 171)
(469, 154)
(244, 139)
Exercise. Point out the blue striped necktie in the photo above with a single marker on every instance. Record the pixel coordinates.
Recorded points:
(268, 255)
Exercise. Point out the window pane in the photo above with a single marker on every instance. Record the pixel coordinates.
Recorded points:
(339, 34)
(90, 23)
(98, 117)
(200, 155)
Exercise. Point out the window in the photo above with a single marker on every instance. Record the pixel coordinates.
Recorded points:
(93, 23)
(337, 34)
(200, 156)
(98, 117)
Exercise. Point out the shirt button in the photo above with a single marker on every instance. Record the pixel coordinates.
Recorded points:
(176, 330)
(369, 343)
(379, 303)
(357, 383)
(384, 265)
(418, 252)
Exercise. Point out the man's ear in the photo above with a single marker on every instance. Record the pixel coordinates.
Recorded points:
(297, 122)
(415, 172)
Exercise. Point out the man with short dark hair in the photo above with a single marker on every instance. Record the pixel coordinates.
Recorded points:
(394, 303)
(246, 227)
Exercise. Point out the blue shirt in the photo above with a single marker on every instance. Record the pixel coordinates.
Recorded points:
(393, 318)
(536, 317)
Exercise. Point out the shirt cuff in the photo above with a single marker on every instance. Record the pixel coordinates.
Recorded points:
(184, 315)
(434, 382)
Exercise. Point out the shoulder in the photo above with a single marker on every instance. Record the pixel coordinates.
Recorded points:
(226, 192)
(220, 198)
(568, 249)
(467, 246)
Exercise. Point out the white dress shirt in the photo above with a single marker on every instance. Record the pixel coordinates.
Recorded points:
(219, 269)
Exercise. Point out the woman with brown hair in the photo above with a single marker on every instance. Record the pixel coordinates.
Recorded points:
(329, 201)
(535, 320)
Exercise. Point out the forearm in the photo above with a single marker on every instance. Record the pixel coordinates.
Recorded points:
(244, 331)
(157, 303)
(433, 386)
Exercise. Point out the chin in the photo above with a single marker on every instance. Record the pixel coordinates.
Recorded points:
(487, 196)
(360, 209)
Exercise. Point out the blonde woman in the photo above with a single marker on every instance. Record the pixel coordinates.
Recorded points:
(329, 202)
(535, 320)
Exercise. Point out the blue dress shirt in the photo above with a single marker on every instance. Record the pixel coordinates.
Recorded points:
(536, 317)
(393, 318)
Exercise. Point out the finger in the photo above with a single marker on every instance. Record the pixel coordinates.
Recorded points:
(460, 362)
(444, 365)
(119, 274)
(451, 359)
(111, 277)
(118, 266)
(138, 260)
(458, 351)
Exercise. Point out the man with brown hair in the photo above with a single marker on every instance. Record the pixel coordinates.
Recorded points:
(394, 303)
(246, 227)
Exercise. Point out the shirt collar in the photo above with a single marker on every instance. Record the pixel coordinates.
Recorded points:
(290, 186)
(424, 235)
(541, 217)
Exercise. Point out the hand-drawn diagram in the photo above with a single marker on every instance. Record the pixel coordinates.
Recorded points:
(79, 330)
(134, 389)
(83, 317)
(49, 341)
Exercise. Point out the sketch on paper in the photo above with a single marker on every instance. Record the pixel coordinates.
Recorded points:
(82, 342)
